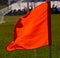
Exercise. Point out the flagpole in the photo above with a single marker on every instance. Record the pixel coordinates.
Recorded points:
(49, 28)
(50, 38)
(35, 54)
(50, 56)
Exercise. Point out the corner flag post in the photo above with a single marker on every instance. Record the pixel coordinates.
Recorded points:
(49, 28)
(39, 25)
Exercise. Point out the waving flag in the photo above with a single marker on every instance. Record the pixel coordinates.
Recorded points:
(31, 31)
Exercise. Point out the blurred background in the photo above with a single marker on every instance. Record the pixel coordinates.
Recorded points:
(21, 7)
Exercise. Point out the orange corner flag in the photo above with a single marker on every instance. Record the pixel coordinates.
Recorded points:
(31, 31)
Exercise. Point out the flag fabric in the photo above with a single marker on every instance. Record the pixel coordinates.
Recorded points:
(31, 30)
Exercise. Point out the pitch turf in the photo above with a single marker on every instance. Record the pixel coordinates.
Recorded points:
(6, 36)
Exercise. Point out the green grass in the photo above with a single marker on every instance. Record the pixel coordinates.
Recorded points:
(56, 35)
(6, 36)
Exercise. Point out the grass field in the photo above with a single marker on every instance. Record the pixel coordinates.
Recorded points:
(6, 36)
